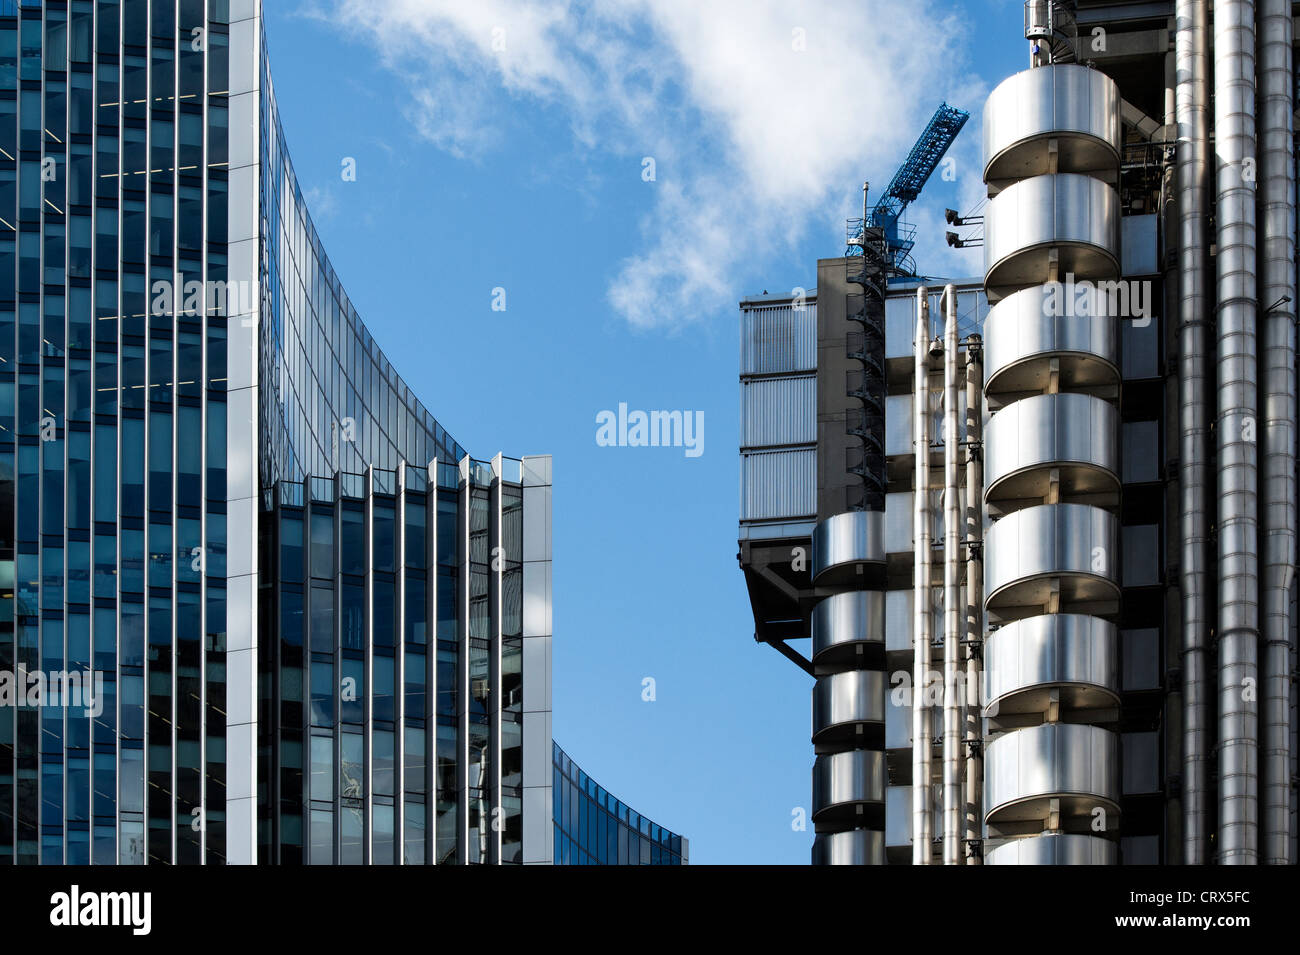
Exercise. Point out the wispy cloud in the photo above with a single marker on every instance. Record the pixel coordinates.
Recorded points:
(760, 114)
(322, 202)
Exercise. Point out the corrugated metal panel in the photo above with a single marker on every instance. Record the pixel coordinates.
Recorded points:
(775, 411)
(777, 339)
(778, 484)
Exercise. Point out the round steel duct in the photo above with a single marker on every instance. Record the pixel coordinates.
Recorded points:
(1074, 326)
(845, 625)
(855, 847)
(1024, 770)
(1075, 654)
(1047, 228)
(1069, 551)
(845, 784)
(1055, 848)
(848, 545)
(1059, 118)
(1071, 438)
(844, 702)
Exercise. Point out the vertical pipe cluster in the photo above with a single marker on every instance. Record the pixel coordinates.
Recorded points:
(921, 623)
(1277, 251)
(1236, 427)
(951, 590)
(974, 587)
(1192, 67)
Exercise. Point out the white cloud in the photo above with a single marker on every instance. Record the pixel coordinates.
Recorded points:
(762, 115)
(323, 203)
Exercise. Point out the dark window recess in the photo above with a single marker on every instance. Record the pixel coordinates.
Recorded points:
(1141, 555)
(1140, 651)
(1141, 452)
(1141, 763)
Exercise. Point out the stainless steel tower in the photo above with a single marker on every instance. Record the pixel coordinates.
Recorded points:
(1073, 157)
(1051, 146)
(1126, 472)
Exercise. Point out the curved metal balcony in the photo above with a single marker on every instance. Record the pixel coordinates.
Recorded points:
(1047, 228)
(1054, 848)
(855, 847)
(849, 788)
(1070, 438)
(1050, 558)
(1060, 118)
(848, 628)
(848, 548)
(849, 707)
(1069, 331)
(1025, 770)
(1073, 654)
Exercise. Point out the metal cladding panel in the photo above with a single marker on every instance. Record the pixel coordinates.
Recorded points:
(898, 816)
(1074, 218)
(898, 522)
(898, 424)
(1049, 430)
(1051, 650)
(778, 339)
(1051, 539)
(778, 411)
(855, 847)
(900, 324)
(778, 484)
(1139, 247)
(900, 316)
(849, 538)
(1073, 106)
(854, 776)
(898, 620)
(854, 696)
(847, 619)
(1052, 759)
(1042, 323)
(1054, 849)
(898, 723)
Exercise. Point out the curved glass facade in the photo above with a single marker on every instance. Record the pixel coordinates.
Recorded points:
(391, 583)
(593, 827)
(288, 618)
(351, 679)
(396, 718)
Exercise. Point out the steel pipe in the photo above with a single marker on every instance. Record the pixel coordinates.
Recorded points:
(921, 625)
(1235, 432)
(951, 594)
(1277, 218)
(974, 589)
(1191, 98)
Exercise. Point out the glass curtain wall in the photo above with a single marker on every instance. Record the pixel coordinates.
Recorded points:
(113, 176)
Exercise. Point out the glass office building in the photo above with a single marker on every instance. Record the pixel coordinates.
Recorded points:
(320, 629)
(594, 827)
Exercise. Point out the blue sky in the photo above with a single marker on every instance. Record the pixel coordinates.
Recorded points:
(502, 145)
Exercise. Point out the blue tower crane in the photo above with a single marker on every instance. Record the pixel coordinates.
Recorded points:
(906, 185)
